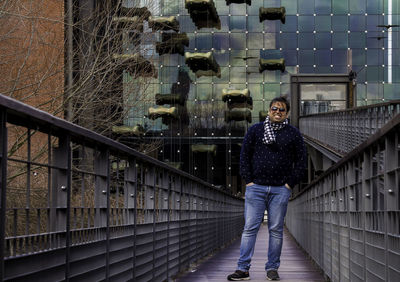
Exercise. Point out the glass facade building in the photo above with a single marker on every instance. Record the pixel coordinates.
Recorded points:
(312, 36)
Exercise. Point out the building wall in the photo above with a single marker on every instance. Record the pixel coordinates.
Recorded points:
(318, 36)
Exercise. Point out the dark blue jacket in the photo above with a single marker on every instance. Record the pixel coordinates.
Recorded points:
(275, 164)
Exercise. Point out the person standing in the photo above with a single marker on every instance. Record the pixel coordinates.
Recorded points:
(272, 161)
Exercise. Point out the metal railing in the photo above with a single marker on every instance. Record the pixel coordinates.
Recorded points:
(342, 131)
(76, 205)
(348, 220)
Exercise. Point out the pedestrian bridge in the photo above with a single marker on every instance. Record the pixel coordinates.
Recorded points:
(78, 206)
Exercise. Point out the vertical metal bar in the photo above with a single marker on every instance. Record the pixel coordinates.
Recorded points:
(153, 177)
(107, 159)
(28, 182)
(134, 217)
(68, 225)
(49, 148)
(3, 187)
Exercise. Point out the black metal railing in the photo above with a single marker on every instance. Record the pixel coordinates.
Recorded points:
(77, 205)
(348, 219)
(342, 131)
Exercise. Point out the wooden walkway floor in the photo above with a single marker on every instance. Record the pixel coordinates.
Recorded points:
(295, 266)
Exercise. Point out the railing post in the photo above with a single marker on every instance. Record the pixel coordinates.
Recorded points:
(59, 186)
(102, 200)
(3, 187)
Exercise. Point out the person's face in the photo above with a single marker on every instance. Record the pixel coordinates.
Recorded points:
(277, 112)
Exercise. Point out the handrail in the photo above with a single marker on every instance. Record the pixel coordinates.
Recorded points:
(348, 219)
(95, 209)
(342, 131)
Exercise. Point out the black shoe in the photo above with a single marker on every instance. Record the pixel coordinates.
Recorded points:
(239, 275)
(272, 275)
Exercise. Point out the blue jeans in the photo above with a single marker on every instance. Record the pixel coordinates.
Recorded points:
(258, 198)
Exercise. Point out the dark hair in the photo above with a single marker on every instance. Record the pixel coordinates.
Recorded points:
(282, 100)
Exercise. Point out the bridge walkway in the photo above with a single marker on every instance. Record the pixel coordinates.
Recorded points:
(295, 265)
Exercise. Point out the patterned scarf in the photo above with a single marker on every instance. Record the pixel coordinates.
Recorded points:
(270, 128)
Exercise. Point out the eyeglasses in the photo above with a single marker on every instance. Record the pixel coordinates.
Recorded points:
(274, 109)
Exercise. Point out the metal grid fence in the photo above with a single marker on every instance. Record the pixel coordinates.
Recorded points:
(348, 219)
(342, 131)
(78, 206)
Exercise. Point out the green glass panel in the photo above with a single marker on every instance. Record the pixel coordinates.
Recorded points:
(357, 40)
(306, 40)
(237, 41)
(271, 90)
(357, 22)
(290, 24)
(339, 40)
(323, 7)
(237, 9)
(340, 6)
(306, 7)
(375, 91)
(254, 24)
(391, 91)
(287, 40)
(374, 57)
(358, 57)
(323, 40)
(306, 57)
(255, 41)
(323, 23)
(290, 6)
(237, 23)
(306, 23)
(374, 7)
(357, 6)
(340, 23)
(238, 74)
(255, 91)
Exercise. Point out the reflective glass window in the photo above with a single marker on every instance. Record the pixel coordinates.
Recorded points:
(290, 6)
(306, 40)
(237, 23)
(340, 23)
(255, 41)
(373, 21)
(290, 24)
(323, 57)
(357, 22)
(254, 24)
(339, 57)
(306, 7)
(358, 57)
(204, 41)
(306, 23)
(339, 40)
(374, 7)
(220, 41)
(323, 40)
(357, 39)
(357, 7)
(290, 57)
(270, 40)
(374, 57)
(323, 7)
(287, 41)
(375, 74)
(323, 23)
(306, 57)
(237, 41)
(340, 6)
